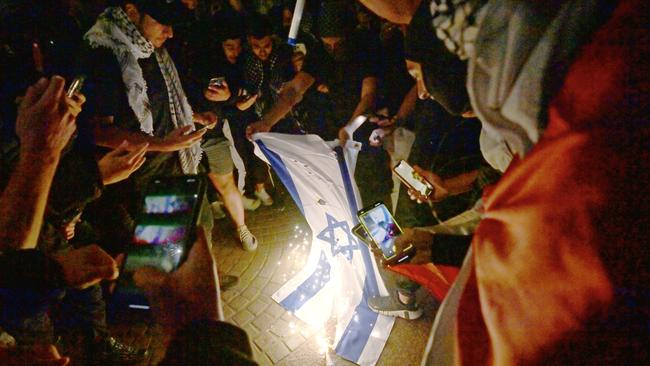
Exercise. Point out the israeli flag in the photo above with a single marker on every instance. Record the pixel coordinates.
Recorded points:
(341, 274)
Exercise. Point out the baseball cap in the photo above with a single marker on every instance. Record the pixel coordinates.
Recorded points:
(167, 12)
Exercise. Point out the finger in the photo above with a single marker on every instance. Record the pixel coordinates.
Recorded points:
(119, 260)
(34, 92)
(138, 153)
(105, 272)
(54, 90)
(122, 149)
(79, 98)
(98, 256)
(138, 164)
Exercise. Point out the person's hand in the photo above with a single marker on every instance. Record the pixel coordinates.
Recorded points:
(119, 164)
(243, 105)
(255, 127)
(46, 120)
(421, 241)
(187, 294)
(208, 119)
(439, 191)
(217, 93)
(344, 136)
(377, 136)
(86, 266)
(323, 88)
(68, 229)
(180, 139)
(36, 355)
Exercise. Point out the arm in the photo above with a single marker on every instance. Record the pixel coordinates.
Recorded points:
(368, 97)
(460, 183)
(45, 123)
(108, 135)
(366, 103)
(408, 104)
(23, 202)
(290, 95)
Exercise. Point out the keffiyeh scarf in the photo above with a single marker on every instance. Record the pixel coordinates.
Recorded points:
(455, 23)
(115, 31)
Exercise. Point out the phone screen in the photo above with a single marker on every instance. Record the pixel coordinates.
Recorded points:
(163, 233)
(412, 179)
(382, 228)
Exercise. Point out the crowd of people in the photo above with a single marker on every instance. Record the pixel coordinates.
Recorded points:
(529, 118)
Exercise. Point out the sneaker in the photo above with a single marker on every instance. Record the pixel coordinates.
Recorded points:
(109, 351)
(226, 282)
(247, 239)
(391, 306)
(217, 210)
(250, 204)
(264, 197)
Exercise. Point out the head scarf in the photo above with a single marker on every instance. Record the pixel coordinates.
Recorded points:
(444, 74)
(455, 23)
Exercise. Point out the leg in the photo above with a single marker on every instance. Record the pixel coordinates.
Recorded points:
(225, 184)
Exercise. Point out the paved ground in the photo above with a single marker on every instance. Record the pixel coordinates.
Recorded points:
(278, 337)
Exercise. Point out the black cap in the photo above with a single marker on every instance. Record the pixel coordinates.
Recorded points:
(166, 12)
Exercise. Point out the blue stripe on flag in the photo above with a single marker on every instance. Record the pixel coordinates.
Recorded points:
(356, 334)
(310, 287)
(282, 172)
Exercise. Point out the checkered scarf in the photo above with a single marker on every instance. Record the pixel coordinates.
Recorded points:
(115, 31)
(455, 24)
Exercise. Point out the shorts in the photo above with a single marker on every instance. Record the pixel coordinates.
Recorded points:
(217, 152)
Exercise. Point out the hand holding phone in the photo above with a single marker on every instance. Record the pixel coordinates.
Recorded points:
(415, 179)
(383, 230)
(76, 85)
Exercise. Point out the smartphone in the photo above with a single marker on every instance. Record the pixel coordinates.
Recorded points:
(360, 232)
(218, 81)
(382, 229)
(412, 179)
(76, 85)
(164, 233)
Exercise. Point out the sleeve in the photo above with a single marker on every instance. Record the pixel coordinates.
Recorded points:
(30, 269)
(209, 343)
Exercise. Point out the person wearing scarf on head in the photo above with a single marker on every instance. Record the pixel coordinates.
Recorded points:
(558, 272)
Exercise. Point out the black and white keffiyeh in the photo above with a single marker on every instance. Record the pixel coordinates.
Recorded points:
(455, 23)
(115, 31)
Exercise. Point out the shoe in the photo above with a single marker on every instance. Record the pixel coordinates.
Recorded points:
(391, 306)
(226, 282)
(217, 210)
(250, 204)
(264, 197)
(247, 239)
(109, 351)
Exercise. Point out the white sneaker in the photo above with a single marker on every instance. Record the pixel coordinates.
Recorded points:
(264, 197)
(250, 204)
(247, 239)
(217, 210)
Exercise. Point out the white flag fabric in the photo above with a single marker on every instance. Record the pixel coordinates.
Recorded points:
(341, 274)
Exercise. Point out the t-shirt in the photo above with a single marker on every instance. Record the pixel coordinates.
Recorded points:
(106, 96)
(362, 58)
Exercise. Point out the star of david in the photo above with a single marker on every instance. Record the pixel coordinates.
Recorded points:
(328, 235)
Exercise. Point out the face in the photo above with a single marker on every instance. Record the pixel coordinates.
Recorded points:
(190, 4)
(415, 69)
(261, 47)
(334, 46)
(153, 31)
(232, 49)
(287, 16)
(396, 11)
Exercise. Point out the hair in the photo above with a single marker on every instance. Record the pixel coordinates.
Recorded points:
(259, 26)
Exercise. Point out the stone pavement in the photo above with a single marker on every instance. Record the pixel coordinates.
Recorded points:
(278, 337)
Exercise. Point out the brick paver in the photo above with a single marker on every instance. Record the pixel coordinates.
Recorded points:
(278, 337)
